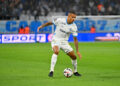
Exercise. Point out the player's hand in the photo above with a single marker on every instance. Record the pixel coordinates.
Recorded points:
(78, 53)
(39, 28)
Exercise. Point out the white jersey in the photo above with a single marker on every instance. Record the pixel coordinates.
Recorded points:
(63, 29)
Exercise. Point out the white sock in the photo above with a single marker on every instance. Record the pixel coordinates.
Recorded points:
(74, 63)
(53, 62)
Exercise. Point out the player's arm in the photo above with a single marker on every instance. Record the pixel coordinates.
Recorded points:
(76, 46)
(44, 25)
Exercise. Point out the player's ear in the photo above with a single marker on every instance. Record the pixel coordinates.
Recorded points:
(74, 15)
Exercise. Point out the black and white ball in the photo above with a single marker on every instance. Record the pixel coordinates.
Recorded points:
(68, 72)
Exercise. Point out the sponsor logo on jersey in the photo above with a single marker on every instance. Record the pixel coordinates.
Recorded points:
(64, 31)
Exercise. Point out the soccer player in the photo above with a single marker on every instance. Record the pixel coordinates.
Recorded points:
(64, 27)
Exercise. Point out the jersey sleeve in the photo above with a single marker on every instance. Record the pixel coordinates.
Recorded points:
(57, 21)
(74, 31)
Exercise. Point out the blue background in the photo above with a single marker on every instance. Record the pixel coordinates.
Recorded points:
(82, 37)
(0, 38)
(83, 25)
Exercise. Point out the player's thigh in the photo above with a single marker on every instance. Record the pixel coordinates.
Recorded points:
(66, 47)
(69, 51)
(55, 47)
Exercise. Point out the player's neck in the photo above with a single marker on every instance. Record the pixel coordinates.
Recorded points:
(68, 22)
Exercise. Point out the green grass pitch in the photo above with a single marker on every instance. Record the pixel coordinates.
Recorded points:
(28, 65)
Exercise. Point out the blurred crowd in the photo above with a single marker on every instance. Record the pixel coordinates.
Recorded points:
(16, 8)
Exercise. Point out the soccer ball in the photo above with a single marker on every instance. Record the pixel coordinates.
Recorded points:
(68, 72)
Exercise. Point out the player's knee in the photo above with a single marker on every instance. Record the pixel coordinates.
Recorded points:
(73, 57)
(56, 52)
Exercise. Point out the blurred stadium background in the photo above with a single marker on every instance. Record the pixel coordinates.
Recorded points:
(26, 62)
(101, 18)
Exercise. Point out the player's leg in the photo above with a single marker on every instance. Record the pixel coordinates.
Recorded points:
(68, 49)
(74, 60)
(54, 59)
(72, 55)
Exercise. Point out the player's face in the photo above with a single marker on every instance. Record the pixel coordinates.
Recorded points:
(71, 18)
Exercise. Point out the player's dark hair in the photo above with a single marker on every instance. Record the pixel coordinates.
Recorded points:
(72, 12)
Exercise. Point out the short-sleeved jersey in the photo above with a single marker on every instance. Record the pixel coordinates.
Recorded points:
(63, 29)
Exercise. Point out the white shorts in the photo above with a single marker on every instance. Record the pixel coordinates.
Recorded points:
(64, 45)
